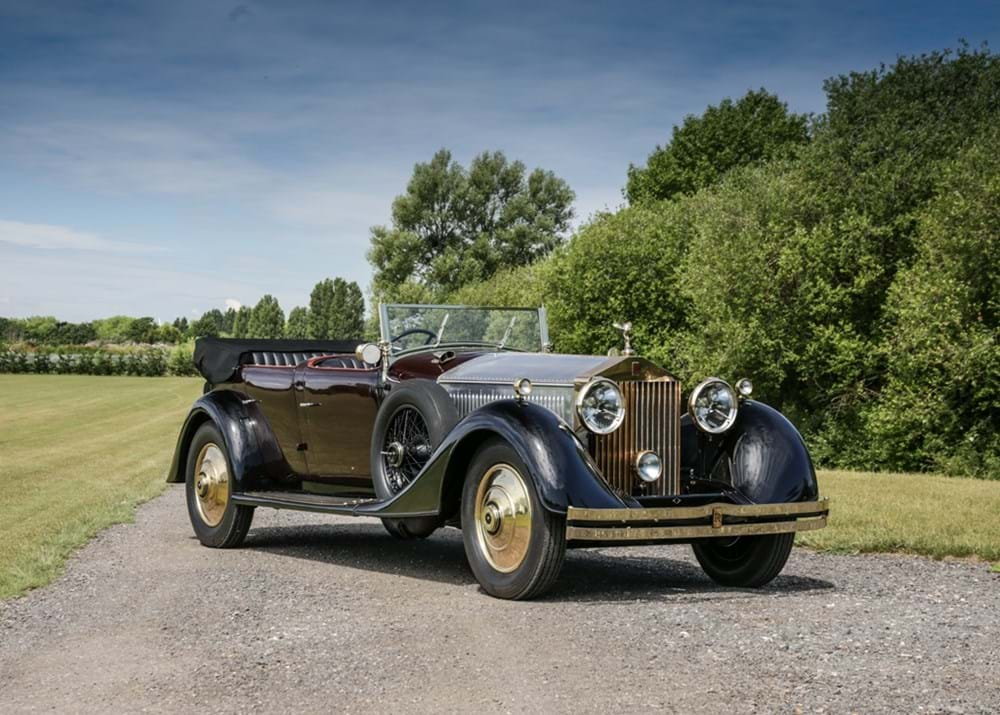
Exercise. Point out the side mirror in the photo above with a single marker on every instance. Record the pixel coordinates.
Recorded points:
(368, 353)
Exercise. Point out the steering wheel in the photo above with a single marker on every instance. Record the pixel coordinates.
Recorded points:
(431, 335)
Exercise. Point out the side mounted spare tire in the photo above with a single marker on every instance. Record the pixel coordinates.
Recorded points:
(412, 421)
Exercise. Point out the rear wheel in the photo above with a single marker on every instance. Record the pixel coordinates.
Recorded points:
(515, 547)
(744, 561)
(217, 521)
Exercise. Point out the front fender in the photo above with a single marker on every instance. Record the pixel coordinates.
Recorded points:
(762, 457)
(562, 471)
(226, 410)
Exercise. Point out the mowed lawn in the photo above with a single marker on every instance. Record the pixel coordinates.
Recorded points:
(78, 453)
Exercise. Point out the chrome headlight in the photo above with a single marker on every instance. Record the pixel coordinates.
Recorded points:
(713, 406)
(601, 406)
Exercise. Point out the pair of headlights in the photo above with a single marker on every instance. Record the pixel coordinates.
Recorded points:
(713, 405)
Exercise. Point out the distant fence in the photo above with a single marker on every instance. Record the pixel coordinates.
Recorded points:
(151, 362)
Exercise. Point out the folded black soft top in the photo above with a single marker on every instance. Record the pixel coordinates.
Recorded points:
(218, 359)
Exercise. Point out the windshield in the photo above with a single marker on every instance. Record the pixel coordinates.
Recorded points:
(409, 327)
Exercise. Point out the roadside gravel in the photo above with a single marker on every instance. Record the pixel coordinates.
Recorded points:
(320, 614)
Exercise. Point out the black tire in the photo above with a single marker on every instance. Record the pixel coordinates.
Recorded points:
(746, 561)
(234, 524)
(546, 547)
(428, 401)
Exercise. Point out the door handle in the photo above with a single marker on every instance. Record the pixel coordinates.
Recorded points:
(310, 404)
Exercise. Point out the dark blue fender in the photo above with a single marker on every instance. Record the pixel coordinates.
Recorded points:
(762, 457)
(239, 425)
(558, 464)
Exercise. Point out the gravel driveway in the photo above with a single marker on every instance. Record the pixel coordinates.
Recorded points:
(320, 614)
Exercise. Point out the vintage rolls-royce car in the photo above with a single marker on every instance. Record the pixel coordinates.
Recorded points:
(461, 416)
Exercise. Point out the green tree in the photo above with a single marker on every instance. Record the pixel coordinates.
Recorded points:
(181, 324)
(336, 310)
(241, 321)
(114, 329)
(298, 323)
(267, 321)
(455, 226)
(757, 127)
(143, 330)
(167, 333)
(228, 318)
(619, 267)
(940, 408)
(210, 324)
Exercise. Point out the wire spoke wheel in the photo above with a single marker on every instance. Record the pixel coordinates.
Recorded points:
(406, 448)
(211, 484)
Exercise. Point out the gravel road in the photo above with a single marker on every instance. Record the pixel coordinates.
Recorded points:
(320, 614)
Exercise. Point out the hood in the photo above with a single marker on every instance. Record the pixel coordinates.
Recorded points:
(547, 369)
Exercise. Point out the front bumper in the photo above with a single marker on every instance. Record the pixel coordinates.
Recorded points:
(693, 522)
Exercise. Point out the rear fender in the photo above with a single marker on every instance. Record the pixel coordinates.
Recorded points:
(558, 464)
(238, 426)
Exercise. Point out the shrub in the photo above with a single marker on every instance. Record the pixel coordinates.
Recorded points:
(941, 406)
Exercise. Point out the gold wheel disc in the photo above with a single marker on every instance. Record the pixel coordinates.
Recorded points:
(211, 484)
(503, 517)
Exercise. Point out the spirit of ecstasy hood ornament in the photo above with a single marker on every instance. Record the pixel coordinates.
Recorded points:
(626, 329)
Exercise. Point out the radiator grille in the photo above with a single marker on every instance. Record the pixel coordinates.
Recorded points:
(652, 421)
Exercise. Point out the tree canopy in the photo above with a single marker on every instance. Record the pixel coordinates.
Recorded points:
(456, 226)
(267, 321)
(298, 323)
(336, 310)
(757, 127)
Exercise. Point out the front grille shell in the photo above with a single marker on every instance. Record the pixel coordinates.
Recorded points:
(652, 421)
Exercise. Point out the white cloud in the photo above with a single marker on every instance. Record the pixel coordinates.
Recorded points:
(233, 303)
(62, 238)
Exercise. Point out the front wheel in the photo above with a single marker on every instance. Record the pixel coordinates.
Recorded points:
(514, 546)
(217, 521)
(744, 561)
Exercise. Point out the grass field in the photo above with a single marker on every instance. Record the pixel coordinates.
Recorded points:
(78, 453)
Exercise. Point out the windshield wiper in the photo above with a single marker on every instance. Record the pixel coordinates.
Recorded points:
(503, 340)
(441, 329)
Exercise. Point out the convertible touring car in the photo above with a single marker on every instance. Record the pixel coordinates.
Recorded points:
(462, 416)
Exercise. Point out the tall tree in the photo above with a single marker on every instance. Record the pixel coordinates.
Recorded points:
(267, 321)
(455, 226)
(228, 318)
(756, 127)
(336, 310)
(181, 324)
(298, 323)
(241, 321)
(143, 330)
(210, 324)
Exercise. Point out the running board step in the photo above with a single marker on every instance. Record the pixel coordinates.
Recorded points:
(303, 501)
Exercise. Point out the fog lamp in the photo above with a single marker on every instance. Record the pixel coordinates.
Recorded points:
(522, 387)
(648, 466)
(744, 387)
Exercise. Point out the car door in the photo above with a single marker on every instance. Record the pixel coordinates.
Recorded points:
(337, 397)
(271, 387)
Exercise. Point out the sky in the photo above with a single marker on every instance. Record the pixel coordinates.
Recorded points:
(166, 158)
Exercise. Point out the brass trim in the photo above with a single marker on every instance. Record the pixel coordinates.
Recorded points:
(651, 533)
(627, 515)
(652, 422)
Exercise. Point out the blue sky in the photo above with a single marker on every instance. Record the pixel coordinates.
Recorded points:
(164, 158)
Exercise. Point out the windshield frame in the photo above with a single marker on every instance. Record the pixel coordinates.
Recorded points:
(383, 319)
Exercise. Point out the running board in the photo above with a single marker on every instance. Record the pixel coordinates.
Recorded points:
(319, 503)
